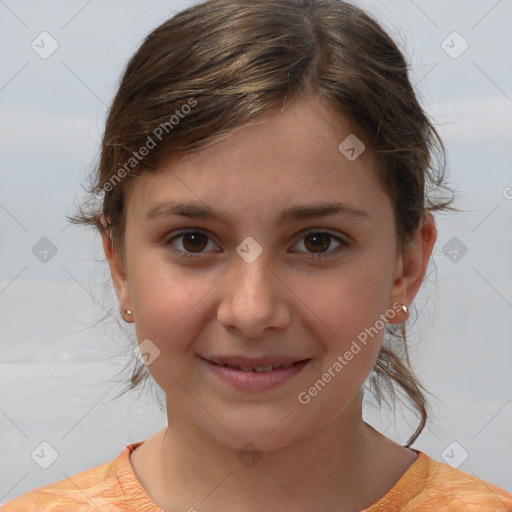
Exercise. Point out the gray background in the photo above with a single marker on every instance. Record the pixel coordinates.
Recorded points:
(59, 370)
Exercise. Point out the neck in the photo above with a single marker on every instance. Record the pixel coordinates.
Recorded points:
(340, 467)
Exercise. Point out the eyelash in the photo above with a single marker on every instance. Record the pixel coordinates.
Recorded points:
(344, 244)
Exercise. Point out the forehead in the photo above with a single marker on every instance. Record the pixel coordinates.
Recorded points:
(283, 158)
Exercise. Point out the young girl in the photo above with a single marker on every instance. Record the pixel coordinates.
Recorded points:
(266, 184)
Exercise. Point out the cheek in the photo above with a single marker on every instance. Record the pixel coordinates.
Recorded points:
(168, 306)
(349, 307)
(346, 300)
(167, 301)
(351, 331)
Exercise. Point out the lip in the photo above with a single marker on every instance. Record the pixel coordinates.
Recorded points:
(252, 380)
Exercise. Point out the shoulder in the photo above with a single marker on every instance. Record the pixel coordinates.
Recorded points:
(430, 485)
(470, 491)
(76, 492)
(97, 488)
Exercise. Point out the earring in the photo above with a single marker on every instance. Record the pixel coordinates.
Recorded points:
(128, 312)
(393, 312)
(404, 337)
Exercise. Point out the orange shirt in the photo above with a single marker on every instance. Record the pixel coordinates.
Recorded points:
(427, 486)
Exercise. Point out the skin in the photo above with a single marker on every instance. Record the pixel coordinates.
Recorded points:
(318, 456)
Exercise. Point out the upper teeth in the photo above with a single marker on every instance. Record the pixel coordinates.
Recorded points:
(259, 368)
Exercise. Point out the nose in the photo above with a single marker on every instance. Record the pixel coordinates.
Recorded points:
(255, 301)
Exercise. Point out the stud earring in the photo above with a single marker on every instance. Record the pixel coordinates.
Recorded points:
(128, 312)
(394, 312)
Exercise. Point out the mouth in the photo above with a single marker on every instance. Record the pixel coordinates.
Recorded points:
(257, 374)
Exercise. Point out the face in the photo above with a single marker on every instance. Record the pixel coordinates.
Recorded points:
(253, 283)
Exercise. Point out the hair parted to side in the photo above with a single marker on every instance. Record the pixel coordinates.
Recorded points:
(230, 61)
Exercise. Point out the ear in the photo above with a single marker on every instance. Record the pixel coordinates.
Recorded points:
(117, 272)
(412, 265)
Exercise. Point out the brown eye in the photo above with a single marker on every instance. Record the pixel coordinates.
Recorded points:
(190, 244)
(317, 244)
(194, 241)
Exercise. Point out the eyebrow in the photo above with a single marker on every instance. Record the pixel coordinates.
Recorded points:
(200, 211)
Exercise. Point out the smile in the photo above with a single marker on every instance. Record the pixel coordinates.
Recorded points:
(255, 377)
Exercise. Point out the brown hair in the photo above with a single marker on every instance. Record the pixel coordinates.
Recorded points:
(216, 66)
